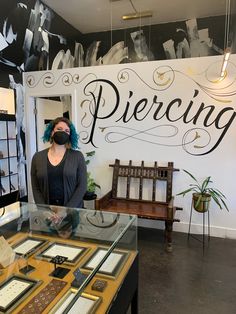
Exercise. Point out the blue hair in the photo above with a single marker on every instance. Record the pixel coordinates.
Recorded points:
(74, 136)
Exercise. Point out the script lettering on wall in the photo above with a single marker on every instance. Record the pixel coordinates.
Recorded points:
(160, 105)
(162, 116)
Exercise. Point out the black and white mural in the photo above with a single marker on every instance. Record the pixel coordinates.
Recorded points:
(31, 35)
(176, 40)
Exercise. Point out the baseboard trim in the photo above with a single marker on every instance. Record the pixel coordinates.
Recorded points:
(215, 231)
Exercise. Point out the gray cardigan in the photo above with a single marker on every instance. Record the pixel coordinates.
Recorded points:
(74, 177)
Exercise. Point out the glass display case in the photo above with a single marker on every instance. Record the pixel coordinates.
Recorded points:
(67, 260)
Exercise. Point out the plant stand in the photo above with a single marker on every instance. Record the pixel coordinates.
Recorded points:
(207, 213)
(89, 204)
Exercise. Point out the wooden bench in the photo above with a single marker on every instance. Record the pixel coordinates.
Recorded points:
(143, 208)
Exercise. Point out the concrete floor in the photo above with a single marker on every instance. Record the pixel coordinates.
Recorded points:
(186, 280)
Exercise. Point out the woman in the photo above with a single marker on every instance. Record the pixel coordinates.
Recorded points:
(58, 173)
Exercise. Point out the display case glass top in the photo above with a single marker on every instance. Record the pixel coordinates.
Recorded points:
(82, 255)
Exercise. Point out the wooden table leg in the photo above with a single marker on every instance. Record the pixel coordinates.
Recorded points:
(168, 235)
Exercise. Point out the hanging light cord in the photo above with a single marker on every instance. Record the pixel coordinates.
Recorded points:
(227, 50)
(111, 17)
(133, 6)
(136, 11)
(227, 24)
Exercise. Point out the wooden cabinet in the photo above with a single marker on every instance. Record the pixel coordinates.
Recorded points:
(8, 159)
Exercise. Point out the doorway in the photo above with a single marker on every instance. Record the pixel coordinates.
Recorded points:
(47, 109)
(40, 110)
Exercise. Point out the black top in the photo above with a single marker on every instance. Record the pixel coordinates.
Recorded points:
(74, 178)
(55, 183)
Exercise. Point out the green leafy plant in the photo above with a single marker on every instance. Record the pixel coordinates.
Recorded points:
(202, 189)
(91, 184)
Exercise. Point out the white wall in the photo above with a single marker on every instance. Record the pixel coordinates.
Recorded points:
(113, 117)
(7, 100)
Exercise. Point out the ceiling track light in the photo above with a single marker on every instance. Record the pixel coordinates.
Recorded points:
(137, 15)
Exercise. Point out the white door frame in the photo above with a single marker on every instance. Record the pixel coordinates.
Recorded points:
(30, 126)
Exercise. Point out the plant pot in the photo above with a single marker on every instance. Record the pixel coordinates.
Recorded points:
(204, 203)
(90, 196)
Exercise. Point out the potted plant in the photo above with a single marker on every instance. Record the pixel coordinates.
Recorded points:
(91, 184)
(202, 194)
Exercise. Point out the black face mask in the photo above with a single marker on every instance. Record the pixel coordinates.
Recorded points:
(61, 137)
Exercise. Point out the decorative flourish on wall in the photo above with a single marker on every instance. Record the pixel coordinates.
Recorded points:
(194, 133)
(163, 77)
(128, 115)
(125, 133)
(48, 80)
(144, 135)
(220, 89)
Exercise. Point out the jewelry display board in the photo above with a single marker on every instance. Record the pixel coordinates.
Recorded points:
(72, 252)
(14, 290)
(111, 266)
(85, 304)
(45, 296)
(28, 246)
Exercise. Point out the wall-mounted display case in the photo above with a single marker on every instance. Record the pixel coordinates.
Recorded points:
(8, 158)
(67, 260)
